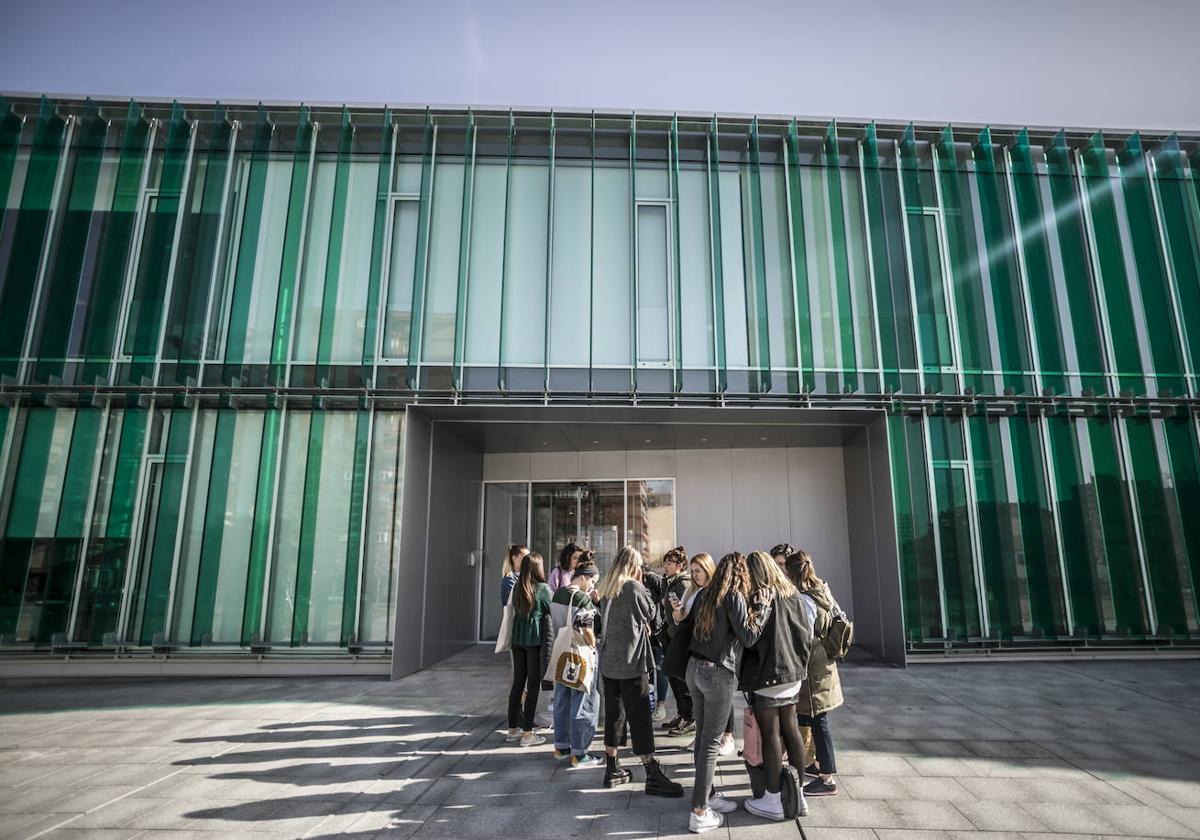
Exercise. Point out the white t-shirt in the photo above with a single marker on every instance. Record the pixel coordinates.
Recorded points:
(783, 691)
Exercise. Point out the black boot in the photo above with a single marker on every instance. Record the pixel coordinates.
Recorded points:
(657, 783)
(614, 774)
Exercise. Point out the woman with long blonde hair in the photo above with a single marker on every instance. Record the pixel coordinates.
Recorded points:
(822, 689)
(626, 663)
(513, 556)
(771, 674)
(723, 627)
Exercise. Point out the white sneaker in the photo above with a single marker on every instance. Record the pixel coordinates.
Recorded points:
(659, 714)
(727, 745)
(700, 823)
(532, 740)
(721, 804)
(512, 735)
(691, 745)
(768, 806)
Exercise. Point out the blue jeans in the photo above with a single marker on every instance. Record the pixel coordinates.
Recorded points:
(575, 718)
(662, 683)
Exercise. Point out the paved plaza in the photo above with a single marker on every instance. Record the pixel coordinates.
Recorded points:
(993, 750)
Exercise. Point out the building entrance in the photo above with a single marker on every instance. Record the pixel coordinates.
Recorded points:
(547, 515)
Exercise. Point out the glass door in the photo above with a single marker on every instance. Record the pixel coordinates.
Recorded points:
(546, 515)
(505, 521)
(586, 513)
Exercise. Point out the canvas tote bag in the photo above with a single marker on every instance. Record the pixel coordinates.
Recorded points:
(504, 637)
(572, 662)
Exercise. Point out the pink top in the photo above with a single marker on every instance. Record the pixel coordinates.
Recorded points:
(558, 579)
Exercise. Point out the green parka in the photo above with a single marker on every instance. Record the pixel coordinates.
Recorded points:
(822, 691)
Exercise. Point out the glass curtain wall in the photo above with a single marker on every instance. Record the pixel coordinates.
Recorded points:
(1024, 305)
(200, 527)
(484, 252)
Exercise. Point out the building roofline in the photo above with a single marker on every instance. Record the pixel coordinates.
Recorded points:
(616, 113)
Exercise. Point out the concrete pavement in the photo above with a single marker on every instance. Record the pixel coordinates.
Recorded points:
(996, 750)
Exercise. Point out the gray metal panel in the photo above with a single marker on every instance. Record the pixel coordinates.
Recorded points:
(703, 500)
(410, 568)
(818, 503)
(887, 557)
(761, 511)
(864, 559)
(874, 563)
(506, 466)
(455, 494)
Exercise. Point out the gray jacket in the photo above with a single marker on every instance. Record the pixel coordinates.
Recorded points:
(625, 648)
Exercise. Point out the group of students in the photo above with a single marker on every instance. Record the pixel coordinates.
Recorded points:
(760, 624)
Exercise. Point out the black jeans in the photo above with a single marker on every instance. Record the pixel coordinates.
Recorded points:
(527, 677)
(683, 698)
(628, 700)
(822, 741)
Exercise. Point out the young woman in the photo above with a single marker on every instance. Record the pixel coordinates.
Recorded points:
(723, 626)
(701, 571)
(531, 643)
(568, 558)
(822, 690)
(626, 665)
(512, 568)
(781, 552)
(575, 712)
(772, 673)
(675, 586)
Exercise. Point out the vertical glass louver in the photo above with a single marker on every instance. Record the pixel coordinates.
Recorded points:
(200, 307)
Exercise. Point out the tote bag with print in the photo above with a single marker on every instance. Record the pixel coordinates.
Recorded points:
(573, 662)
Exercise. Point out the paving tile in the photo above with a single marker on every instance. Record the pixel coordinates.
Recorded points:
(1144, 820)
(999, 816)
(814, 832)
(1070, 818)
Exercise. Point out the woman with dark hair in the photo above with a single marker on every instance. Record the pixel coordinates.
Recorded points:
(568, 559)
(675, 585)
(821, 692)
(772, 673)
(780, 553)
(531, 644)
(726, 620)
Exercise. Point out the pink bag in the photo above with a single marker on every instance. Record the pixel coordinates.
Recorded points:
(752, 740)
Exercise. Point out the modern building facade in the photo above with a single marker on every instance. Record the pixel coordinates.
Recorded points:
(278, 383)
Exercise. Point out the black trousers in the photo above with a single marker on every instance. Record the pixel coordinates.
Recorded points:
(683, 698)
(822, 741)
(527, 678)
(628, 701)
(779, 729)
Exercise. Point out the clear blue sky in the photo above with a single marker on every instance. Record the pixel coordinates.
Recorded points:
(1079, 63)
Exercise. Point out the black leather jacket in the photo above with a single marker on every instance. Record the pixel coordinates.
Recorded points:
(781, 653)
(732, 631)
